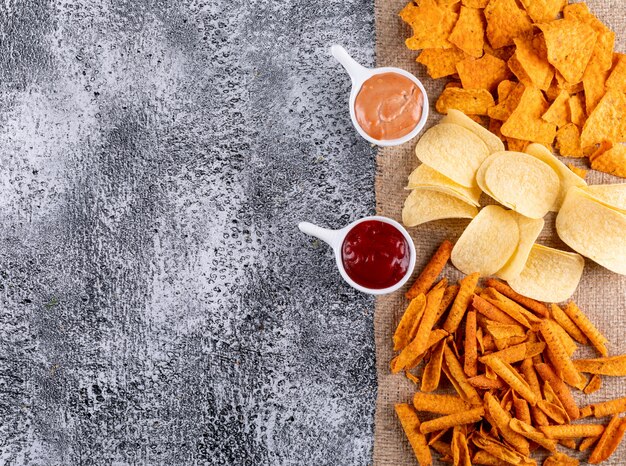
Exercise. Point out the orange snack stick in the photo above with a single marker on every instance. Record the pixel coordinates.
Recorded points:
(507, 373)
(568, 325)
(448, 297)
(608, 408)
(613, 366)
(528, 371)
(432, 371)
(527, 430)
(451, 420)
(594, 385)
(595, 337)
(609, 441)
(440, 404)
(463, 298)
(432, 270)
(412, 315)
(572, 431)
(470, 363)
(558, 354)
(502, 419)
(456, 372)
(560, 389)
(490, 311)
(411, 426)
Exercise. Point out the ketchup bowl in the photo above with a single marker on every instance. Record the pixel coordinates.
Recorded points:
(375, 255)
(359, 75)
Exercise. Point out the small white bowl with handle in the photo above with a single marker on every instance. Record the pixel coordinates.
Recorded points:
(359, 74)
(335, 239)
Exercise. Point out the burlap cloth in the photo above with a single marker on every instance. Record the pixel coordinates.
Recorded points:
(601, 294)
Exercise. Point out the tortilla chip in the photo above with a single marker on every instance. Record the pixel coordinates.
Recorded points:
(494, 127)
(577, 110)
(542, 11)
(532, 56)
(617, 78)
(611, 161)
(606, 122)
(516, 68)
(441, 62)
(431, 24)
(581, 172)
(469, 32)
(564, 84)
(525, 122)
(559, 114)
(468, 101)
(482, 73)
(594, 81)
(475, 3)
(603, 49)
(570, 46)
(507, 106)
(505, 22)
(568, 141)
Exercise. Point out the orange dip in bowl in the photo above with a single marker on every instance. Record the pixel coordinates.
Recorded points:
(388, 106)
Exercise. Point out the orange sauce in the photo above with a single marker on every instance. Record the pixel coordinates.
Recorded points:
(388, 106)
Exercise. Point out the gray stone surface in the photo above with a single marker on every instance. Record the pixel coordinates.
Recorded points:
(158, 305)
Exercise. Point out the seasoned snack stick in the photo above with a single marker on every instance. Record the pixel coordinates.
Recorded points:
(432, 270)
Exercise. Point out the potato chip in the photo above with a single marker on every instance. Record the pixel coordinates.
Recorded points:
(613, 195)
(469, 32)
(566, 178)
(431, 24)
(558, 114)
(603, 49)
(506, 105)
(441, 62)
(505, 22)
(549, 274)
(611, 161)
(453, 151)
(529, 230)
(487, 243)
(493, 143)
(570, 46)
(617, 78)
(606, 122)
(592, 229)
(526, 123)
(422, 206)
(610, 440)
(482, 73)
(542, 11)
(568, 141)
(411, 426)
(426, 178)
(532, 57)
(521, 182)
(468, 101)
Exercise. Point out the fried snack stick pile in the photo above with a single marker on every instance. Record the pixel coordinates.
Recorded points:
(531, 70)
(509, 359)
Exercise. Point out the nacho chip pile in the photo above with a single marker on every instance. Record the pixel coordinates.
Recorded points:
(541, 71)
(509, 360)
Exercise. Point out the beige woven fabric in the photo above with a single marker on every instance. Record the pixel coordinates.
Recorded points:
(601, 294)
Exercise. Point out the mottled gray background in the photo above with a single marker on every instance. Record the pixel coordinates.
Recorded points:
(159, 305)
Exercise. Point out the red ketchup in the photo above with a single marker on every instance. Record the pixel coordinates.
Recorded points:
(375, 254)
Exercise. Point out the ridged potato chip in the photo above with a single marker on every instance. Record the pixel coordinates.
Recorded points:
(456, 117)
(454, 151)
(593, 229)
(522, 183)
(424, 177)
(426, 205)
(529, 230)
(567, 178)
(487, 243)
(549, 274)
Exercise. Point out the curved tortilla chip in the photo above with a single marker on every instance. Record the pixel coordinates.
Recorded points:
(566, 176)
(529, 230)
(456, 117)
(425, 177)
(523, 183)
(549, 274)
(426, 205)
(593, 229)
(453, 151)
(487, 243)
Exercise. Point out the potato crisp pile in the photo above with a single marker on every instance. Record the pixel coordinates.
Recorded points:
(509, 361)
(536, 71)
